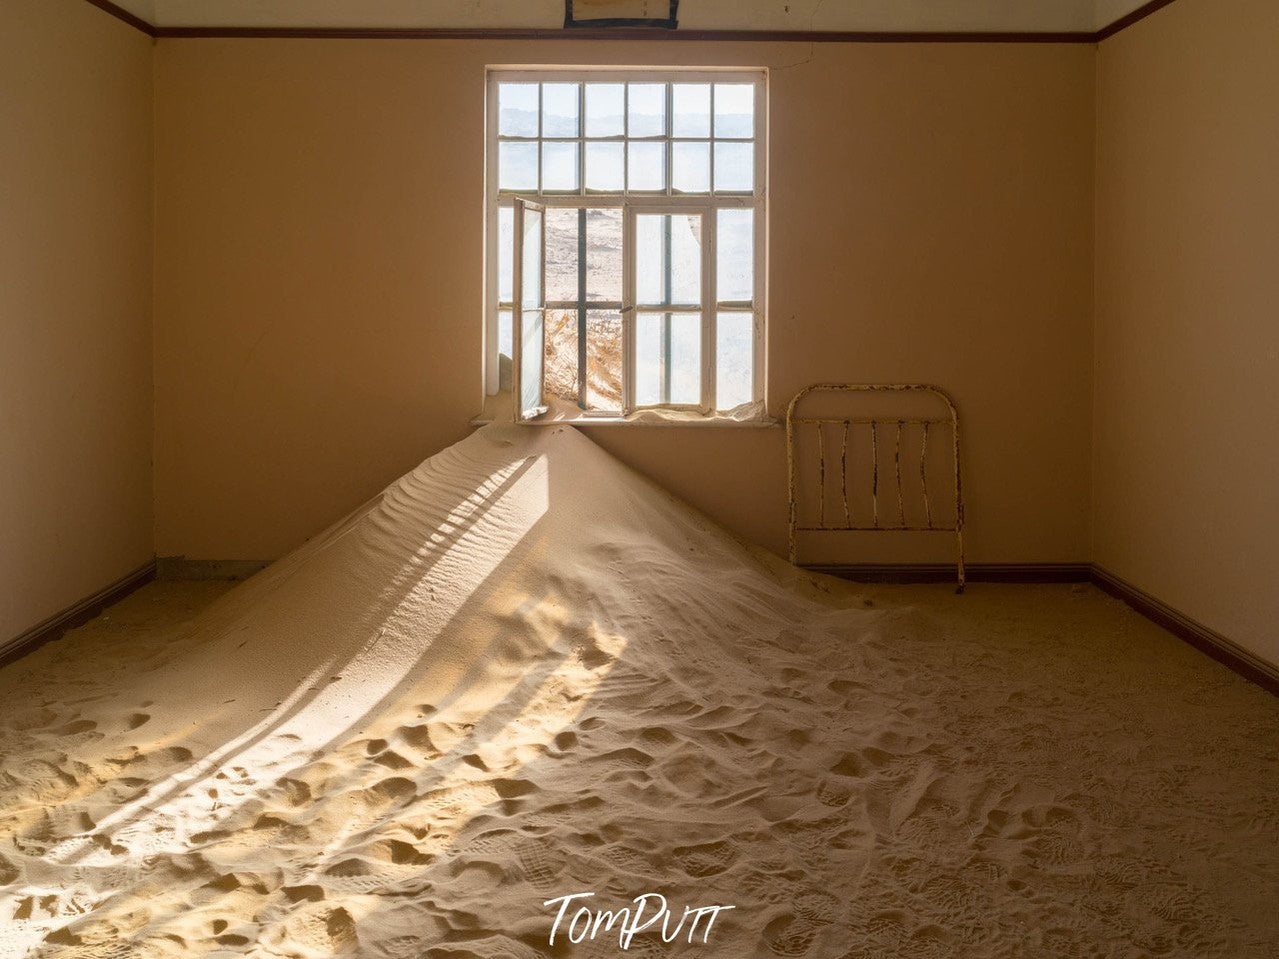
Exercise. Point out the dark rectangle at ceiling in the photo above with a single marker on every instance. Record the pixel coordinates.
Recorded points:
(621, 13)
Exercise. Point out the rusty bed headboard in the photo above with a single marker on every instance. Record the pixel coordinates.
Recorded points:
(878, 427)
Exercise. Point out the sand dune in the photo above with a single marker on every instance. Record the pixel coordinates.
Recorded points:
(524, 672)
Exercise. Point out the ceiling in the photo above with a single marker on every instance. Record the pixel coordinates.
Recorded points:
(823, 15)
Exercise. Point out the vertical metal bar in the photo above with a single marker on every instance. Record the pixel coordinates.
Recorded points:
(628, 309)
(874, 474)
(923, 477)
(897, 468)
(843, 475)
(668, 162)
(581, 139)
(821, 476)
(581, 307)
(709, 317)
(710, 145)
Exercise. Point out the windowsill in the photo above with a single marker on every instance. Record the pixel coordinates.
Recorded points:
(497, 409)
(701, 422)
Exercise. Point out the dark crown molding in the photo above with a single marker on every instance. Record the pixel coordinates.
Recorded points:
(121, 14)
(1123, 23)
(787, 36)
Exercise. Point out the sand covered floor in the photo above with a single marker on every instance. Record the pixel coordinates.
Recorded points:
(523, 672)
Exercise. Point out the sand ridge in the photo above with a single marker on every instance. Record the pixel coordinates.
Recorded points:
(523, 671)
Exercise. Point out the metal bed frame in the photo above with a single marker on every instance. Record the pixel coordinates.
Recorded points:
(877, 424)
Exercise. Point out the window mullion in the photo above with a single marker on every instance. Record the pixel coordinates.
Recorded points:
(628, 309)
(581, 138)
(710, 313)
(664, 375)
(581, 307)
(668, 148)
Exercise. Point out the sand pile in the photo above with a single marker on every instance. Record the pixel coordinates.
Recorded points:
(523, 672)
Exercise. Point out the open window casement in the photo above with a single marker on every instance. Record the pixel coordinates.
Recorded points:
(529, 339)
(667, 281)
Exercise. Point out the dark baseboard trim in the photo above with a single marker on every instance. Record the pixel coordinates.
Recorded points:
(77, 615)
(181, 568)
(1207, 641)
(945, 572)
(121, 14)
(629, 34)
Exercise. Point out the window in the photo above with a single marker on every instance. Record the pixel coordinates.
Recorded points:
(625, 241)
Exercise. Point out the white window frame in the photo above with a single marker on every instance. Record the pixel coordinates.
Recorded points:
(633, 204)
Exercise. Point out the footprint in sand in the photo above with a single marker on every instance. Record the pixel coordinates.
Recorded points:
(393, 760)
(565, 741)
(834, 794)
(790, 935)
(322, 928)
(417, 738)
(307, 893)
(75, 728)
(538, 862)
(707, 859)
(471, 877)
(296, 792)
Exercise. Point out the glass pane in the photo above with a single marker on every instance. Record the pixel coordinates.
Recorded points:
(532, 259)
(691, 167)
(516, 166)
(504, 346)
(561, 254)
(605, 110)
(648, 358)
(505, 253)
(650, 260)
(686, 359)
(604, 360)
(604, 167)
(686, 258)
(647, 109)
(646, 166)
(561, 354)
(668, 359)
(531, 360)
(604, 255)
(559, 167)
(734, 359)
(559, 110)
(735, 269)
(691, 109)
(668, 258)
(735, 110)
(517, 109)
(504, 350)
(734, 167)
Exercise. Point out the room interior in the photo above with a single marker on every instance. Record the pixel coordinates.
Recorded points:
(244, 289)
